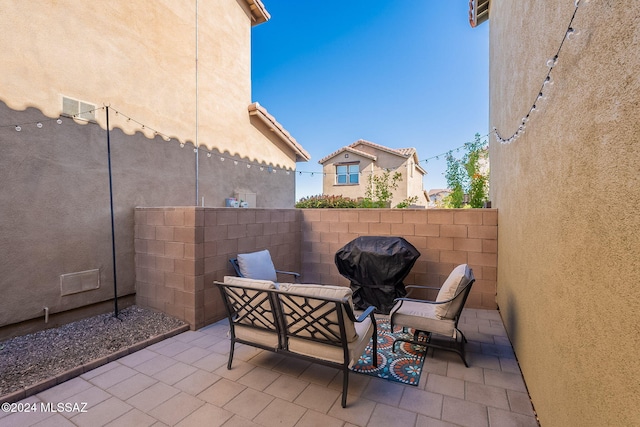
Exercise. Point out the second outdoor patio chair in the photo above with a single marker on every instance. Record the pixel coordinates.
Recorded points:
(438, 317)
(259, 266)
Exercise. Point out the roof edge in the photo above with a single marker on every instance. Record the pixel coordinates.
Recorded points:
(263, 115)
(259, 13)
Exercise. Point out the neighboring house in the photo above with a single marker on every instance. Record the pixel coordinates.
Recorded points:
(176, 78)
(348, 171)
(436, 197)
(567, 192)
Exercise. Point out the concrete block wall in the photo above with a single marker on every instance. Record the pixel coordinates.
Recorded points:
(180, 251)
(444, 237)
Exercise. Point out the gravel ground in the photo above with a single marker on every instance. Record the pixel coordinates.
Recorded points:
(29, 359)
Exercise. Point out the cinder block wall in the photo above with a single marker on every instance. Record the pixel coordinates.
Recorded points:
(444, 237)
(180, 251)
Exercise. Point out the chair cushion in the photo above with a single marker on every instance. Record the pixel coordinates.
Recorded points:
(458, 279)
(257, 265)
(422, 316)
(249, 283)
(364, 332)
(327, 291)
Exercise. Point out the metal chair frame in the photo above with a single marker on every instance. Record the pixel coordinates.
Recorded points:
(236, 267)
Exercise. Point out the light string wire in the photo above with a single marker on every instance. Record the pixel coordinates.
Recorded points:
(248, 164)
(78, 116)
(547, 82)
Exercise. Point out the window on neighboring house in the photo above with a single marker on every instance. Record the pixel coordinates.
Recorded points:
(348, 173)
(78, 109)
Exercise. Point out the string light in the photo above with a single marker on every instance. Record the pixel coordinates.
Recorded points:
(546, 83)
(40, 125)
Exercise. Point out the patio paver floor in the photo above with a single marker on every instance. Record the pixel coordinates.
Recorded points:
(183, 381)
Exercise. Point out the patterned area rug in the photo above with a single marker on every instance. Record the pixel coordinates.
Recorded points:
(405, 366)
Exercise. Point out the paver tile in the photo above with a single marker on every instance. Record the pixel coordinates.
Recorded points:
(197, 382)
(464, 413)
(176, 408)
(318, 398)
(385, 416)
(249, 403)
(131, 386)
(206, 415)
(280, 413)
(102, 413)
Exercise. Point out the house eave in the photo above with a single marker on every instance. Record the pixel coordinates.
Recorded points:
(263, 115)
(259, 13)
(478, 12)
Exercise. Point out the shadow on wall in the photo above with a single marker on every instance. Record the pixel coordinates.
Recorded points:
(55, 215)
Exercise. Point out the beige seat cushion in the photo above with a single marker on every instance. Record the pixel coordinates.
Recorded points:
(324, 291)
(364, 332)
(422, 316)
(457, 280)
(249, 283)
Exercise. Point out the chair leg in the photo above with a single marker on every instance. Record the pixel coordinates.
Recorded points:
(427, 343)
(345, 385)
(230, 355)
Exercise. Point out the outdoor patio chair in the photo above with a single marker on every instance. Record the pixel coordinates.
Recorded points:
(258, 266)
(438, 317)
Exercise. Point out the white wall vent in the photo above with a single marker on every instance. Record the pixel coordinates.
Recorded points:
(81, 281)
(78, 109)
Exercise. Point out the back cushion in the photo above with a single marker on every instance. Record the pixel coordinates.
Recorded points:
(457, 280)
(316, 309)
(249, 283)
(257, 265)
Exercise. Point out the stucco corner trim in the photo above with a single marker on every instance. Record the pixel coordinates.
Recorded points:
(259, 13)
(263, 115)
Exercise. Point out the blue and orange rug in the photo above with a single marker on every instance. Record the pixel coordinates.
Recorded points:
(405, 366)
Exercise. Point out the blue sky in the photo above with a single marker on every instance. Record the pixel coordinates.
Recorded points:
(400, 73)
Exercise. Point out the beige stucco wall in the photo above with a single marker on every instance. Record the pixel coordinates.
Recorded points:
(139, 58)
(567, 193)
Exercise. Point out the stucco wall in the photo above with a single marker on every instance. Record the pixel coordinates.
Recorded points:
(55, 213)
(140, 58)
(567, 193)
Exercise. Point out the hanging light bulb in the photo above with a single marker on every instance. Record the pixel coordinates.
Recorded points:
(571, 33)
(39, 125)
(547, 81)
(288, 173)
(235, 162)
(551, 62)
(248, 166)
(195, 150)
(59, 121)
(209, 154)
(18, 128)
(182, 145)
(222, 159)
(261, 168)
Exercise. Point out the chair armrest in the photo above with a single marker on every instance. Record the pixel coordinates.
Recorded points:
(291, 273)
(368, 312)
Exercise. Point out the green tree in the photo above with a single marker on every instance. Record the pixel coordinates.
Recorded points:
(466, 176)
(379, 191)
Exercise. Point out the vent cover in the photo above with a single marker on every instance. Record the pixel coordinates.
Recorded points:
(78, 109)
(81, 281)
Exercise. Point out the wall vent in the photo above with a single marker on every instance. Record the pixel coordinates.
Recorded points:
(78, 109)
(81, 281)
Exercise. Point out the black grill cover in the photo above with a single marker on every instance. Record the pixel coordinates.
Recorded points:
(376, 267)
